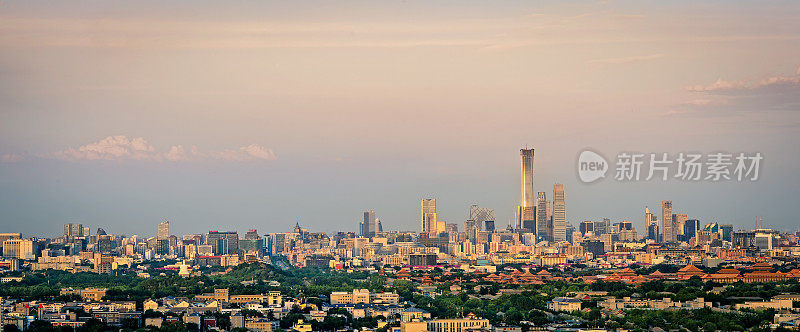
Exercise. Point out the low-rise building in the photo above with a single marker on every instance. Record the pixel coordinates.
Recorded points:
(564, 304)
(87, 294)
(774, 303)
(471, 322)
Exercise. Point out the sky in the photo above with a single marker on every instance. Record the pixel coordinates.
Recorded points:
(237, 115)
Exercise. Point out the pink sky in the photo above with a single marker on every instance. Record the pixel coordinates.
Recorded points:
(414, 98)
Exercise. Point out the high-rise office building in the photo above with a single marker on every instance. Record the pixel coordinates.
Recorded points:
(251, 234)
(624, 225)
(570, 232)
(690, 229)
(667, 224)
(651, 224)
(73, 230)
(371, 225)
(653, 232)
(586, 226)
(602, 227)
(727, 230)
(430, 223)
(627, 235)
(471, 229)
(278, 243)
(559, 214)
(480, 215)
(223, 243)
(542, 218)
(9, 236)
(677, 221)
(18, 248)
(252, 243)
(526, 213)
(163, 229)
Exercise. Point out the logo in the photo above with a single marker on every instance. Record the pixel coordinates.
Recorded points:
(591, 166)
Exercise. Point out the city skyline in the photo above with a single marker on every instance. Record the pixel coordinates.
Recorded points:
(549, 222)
(399, 166)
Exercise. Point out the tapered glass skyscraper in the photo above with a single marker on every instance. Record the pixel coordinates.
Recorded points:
(526, 214)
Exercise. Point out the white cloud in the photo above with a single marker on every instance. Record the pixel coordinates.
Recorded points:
(772, 93)
(176, 153)
(119, 148)
(767, 83)
(245, 153)
(111, 148)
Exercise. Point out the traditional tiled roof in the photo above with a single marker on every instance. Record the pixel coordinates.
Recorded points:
(689, 269)
(728, 271)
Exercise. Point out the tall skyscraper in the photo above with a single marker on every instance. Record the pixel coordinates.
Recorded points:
(651, 224)
(727, 230)
(526, 214)
(542, 219)
(690, 228)
(73, 230)
(585, 227)
(480, 215)
(471, 229)
(252, 243)
(163, 229)
(371, 225)
(667, 223)
(559, 214)
(677, 222)
(430, 223)
(223, 243)
(251, 234)
(602, 227)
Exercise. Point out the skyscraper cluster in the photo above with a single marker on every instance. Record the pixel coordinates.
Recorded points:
(547, 220)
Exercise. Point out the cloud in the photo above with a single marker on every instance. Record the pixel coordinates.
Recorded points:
(176, 153)
(245, 153)
(767, 84)
(120, 148)
(624, 60)
(771, 93)
(111, 148)
(12, 157)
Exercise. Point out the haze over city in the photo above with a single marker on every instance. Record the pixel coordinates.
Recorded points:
(123, 114)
